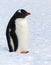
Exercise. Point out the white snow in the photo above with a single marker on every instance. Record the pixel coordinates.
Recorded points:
(40, 32)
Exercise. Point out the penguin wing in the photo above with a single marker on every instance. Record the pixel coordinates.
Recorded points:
(8, 40)
(15, 40)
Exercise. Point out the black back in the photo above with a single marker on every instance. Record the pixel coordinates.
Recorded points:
(10, 31)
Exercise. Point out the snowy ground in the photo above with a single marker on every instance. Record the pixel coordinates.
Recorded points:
(40, 32)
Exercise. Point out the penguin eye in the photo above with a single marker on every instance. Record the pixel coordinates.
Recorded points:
(19, 11)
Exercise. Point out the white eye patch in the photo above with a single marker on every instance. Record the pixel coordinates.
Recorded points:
(19, 11)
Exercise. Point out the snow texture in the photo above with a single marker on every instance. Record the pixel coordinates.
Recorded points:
(40, 32)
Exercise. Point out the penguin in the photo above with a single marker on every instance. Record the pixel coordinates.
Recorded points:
(17, 32)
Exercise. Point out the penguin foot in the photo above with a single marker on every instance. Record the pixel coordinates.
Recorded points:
(24, 52)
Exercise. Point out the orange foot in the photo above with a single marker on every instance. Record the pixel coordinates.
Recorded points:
(24, 52)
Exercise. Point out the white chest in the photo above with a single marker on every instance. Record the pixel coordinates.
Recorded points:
(21, 26)
(22, 34)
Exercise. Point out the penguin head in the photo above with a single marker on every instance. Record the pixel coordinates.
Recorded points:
(21, 13)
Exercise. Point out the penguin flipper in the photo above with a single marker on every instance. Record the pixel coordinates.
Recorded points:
(8, 40)
(15, 40)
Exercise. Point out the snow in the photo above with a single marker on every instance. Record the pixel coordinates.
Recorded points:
(40, 32)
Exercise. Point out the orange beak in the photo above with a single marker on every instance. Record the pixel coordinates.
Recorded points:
(27, 14)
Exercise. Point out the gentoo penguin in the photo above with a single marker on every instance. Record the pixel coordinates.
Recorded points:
(17, 32)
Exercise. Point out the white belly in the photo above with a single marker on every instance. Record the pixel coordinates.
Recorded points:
(22, 33)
